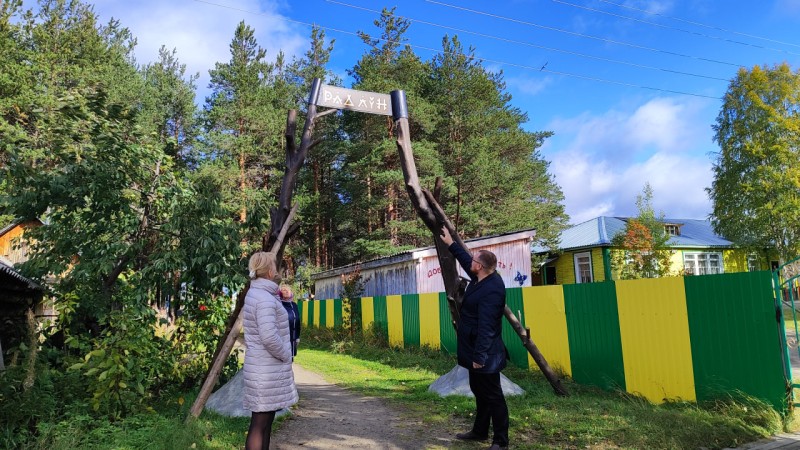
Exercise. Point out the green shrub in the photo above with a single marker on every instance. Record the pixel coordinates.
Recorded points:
(126, 365)
(195, 337)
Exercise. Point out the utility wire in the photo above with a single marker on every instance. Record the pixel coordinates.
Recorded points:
(656, 24)
(521, 66)
(700, 24)
(530, 44)
(588, 36)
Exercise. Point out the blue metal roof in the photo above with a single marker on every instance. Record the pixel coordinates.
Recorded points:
(599, 232)
(696, 233)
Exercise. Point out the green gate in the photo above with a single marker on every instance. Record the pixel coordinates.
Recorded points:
(786, 282)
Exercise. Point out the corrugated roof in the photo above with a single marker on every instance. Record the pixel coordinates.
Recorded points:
(696, 233)
(8, 272)
(9, 227)
(16, 222)
(416, 253)
(599, 232)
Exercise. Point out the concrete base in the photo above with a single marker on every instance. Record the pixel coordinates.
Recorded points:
(456, 382)
(227, 400)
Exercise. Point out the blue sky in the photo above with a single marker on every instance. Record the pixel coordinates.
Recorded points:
(630, 88)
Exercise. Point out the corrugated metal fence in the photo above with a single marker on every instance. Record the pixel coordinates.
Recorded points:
(679, 338)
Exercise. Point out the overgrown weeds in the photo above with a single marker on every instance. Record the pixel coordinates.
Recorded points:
(68, 396)
(588, 418)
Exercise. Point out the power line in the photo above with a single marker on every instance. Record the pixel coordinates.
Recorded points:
(700, 24)
(521, 66)
(530, 44)
(587, 36)
(656, 24)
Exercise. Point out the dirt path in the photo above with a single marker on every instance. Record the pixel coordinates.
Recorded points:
(331, 417)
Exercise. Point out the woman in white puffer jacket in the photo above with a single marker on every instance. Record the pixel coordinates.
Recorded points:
(268, 377)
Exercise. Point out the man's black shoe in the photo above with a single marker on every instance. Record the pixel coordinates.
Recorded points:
(470, 436)
(497, 447)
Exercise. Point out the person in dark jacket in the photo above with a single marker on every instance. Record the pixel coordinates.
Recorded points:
(480, 342)
(287, 298)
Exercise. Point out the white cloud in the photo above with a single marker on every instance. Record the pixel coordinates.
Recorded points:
(678, 183)
(785, 8)
(202, 32)
(529, 85)
(660, 124)
(602, 162)
(651, 6)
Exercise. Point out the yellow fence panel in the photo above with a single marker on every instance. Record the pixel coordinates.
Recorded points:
(329, 320)
(367, 313)
(654, 329)
(394, 314)
(429, 320)
(546, 317)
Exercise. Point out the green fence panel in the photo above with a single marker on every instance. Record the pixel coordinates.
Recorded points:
(311, 306)
(381, 316)
(337, 313)
(447, 334)
(410, 320)
(355, 315)
(595, 345)
(323, 313)
(518, 352)
(300, 307)
(734, 337)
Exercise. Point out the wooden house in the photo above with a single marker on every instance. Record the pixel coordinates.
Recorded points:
(585, 249)
(18, 294)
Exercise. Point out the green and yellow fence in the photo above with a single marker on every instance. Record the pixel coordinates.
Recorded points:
(677, 338)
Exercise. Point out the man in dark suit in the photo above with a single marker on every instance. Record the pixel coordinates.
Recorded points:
(480, 342)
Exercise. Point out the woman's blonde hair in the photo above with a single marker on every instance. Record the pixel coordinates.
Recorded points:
(262, 264)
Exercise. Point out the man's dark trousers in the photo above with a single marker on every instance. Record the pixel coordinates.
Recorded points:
(490, 403)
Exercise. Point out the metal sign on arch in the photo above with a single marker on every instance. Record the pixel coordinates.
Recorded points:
(350, 99)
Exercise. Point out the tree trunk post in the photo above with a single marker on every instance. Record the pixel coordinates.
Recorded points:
(281, 230)
(216, 366)
(432, 214)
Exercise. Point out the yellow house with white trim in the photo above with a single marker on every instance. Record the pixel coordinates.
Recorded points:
(584, 253)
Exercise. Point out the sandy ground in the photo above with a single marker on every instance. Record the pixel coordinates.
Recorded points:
(331, 417)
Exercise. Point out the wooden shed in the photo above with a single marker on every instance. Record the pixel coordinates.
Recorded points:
(18, 293)
(417, 271)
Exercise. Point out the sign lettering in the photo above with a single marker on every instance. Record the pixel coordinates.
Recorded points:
(362, 101)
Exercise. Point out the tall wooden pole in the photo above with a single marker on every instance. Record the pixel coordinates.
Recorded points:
(433, 216)
(281, 230)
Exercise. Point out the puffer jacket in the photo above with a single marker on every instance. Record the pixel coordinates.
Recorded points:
(268, 377)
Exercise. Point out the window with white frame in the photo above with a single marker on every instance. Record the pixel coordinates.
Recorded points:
(672, 229)
(702, 263)
(752, 263)
(583, 267)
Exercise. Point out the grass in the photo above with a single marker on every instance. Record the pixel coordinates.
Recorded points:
(588, 418)
(163, 429)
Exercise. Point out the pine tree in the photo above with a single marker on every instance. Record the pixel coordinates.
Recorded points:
(495, 177)
(244, 120)
(320, 189)
(169, 105)
(383, 218)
